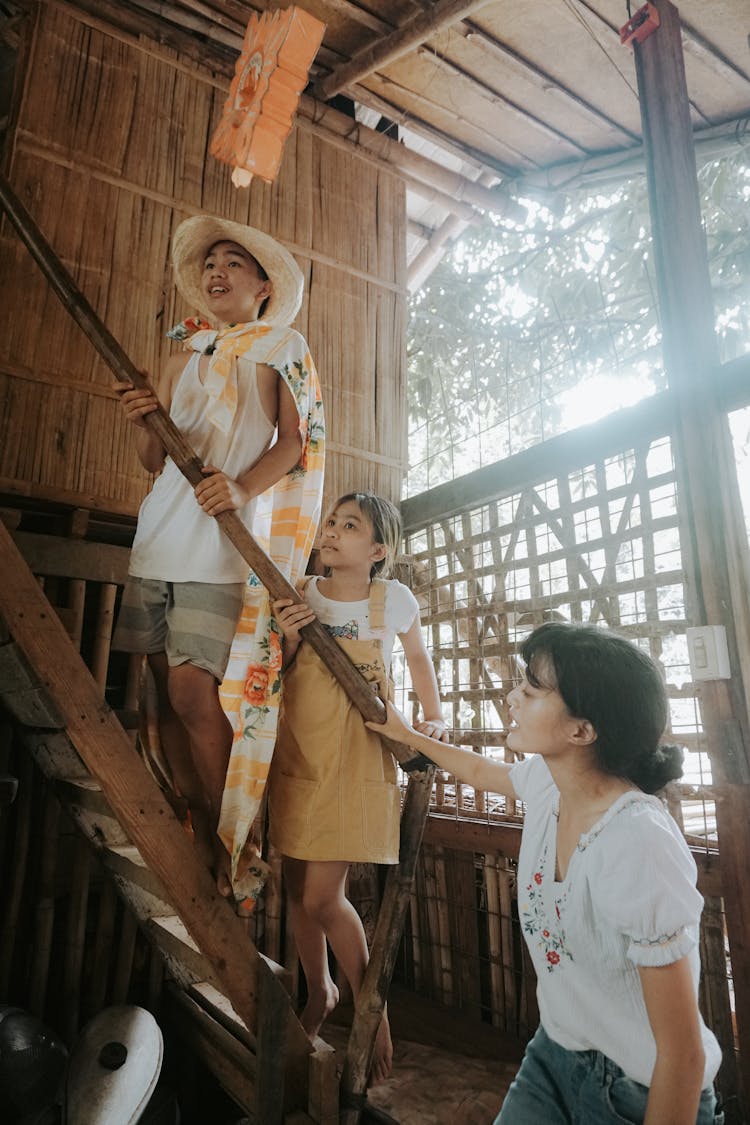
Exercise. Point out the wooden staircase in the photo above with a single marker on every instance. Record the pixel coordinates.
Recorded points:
(234, 1002)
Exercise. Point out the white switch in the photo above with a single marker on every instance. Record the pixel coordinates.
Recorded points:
(709, 655)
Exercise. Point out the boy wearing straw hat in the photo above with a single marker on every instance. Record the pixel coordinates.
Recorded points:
(247, 398)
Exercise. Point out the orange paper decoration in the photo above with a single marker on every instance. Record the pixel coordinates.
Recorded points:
(269, 77)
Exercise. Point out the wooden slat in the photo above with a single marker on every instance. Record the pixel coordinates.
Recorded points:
(73, 558)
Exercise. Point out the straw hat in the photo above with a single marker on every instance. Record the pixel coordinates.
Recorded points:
(194, 238)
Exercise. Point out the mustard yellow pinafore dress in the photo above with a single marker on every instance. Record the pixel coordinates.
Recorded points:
(332, 788)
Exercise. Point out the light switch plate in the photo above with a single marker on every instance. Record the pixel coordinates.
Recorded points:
(709, 655)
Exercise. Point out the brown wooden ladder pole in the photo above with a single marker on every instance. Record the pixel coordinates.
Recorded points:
(393, 908)
(388, 929)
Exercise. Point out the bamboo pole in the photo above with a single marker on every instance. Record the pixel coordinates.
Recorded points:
(45, 905)
(189, 464)
(102, 952)
(103, 635)
(75, 943)
(13, 895)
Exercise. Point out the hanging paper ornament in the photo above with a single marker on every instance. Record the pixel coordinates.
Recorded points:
(269, 77)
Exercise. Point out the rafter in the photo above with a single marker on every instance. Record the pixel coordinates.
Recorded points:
(406, 38)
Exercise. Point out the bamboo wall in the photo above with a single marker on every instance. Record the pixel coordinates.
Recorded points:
(109, 154)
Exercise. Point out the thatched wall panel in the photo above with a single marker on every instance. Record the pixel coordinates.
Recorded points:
(79, 71)
(109, 155)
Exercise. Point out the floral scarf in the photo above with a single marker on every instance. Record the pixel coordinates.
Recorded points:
(285, 524)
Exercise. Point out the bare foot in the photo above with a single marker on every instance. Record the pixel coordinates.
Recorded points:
(319, 1005)
(382, 1056)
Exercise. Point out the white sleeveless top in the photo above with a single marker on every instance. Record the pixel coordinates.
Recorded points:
(175, 541)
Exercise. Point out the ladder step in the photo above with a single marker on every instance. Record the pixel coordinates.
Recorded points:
(56, 755)
(136, 881)
(84, 800)
(182, 956)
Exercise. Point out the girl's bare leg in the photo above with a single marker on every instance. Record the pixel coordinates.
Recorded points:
(322, 994)
(325, 905)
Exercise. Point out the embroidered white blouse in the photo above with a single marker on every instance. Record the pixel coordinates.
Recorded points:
(628, 898)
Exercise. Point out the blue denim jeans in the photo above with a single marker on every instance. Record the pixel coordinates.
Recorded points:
(559, 1087)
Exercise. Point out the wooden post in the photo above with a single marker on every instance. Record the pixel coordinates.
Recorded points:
(189, 464)
(714, 540)
(270, 1050)
(372, 995)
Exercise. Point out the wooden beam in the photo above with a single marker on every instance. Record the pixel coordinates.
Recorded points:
(73, 558)
(478, 161)
(411, 34)
(715, 549)
(456, 187)
(730, 136)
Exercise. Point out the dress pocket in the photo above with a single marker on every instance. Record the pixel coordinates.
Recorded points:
(381, 817)
(290, 800)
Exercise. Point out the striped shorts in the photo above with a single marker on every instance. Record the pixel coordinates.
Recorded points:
(192, 622)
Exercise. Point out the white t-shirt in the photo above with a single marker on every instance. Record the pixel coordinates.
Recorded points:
(351, 619)
(628, 899)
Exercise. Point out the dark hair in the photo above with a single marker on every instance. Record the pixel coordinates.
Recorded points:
(616, 686)
(386, 526)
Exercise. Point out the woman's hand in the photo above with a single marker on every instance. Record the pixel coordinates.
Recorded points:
(218, 492)
(433, 728)
(136, 402)
(291, 617)
(395, 726)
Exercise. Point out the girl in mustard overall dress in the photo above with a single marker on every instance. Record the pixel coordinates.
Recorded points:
(333, 796)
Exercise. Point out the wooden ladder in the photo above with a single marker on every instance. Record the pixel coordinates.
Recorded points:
(371, 999)
(221, 980)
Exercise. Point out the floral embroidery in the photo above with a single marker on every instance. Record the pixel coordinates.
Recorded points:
(552, 943)
(349, 630)
(662, 939)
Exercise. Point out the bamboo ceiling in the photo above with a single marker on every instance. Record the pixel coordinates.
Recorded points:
(508, 95)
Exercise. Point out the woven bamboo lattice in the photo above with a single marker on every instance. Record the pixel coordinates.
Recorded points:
(599, 545)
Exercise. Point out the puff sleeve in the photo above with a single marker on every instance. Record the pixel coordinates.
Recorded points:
(644, 886)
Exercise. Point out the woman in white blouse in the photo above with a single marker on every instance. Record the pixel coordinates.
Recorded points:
(607, 893)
